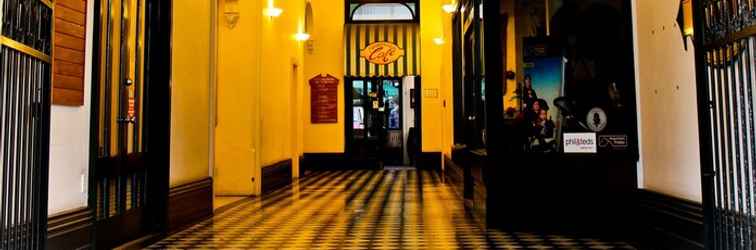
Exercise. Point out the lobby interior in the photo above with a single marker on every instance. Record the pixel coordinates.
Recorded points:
(476, 124)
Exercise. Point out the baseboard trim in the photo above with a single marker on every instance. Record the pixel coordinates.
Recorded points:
(667, 222)
(429, 160)
(322, 161)
(276, 176)
(189, 204)
(71, 230)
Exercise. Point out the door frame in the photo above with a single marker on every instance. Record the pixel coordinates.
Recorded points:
(157, 120)
(348, 115)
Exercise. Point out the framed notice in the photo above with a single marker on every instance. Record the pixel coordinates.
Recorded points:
(324, 99)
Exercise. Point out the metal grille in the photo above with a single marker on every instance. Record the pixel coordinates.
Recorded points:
(24, 118)
(726, 82)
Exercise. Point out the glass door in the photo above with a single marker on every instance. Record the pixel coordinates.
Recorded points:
(376, 134)
(120, 169)
(391, 114)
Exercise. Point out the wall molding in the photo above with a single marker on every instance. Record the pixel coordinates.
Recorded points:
(667, 222)
(189, 204)
(276, 176)
(70, 230)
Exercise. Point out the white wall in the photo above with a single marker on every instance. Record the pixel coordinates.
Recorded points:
(69, 143)
(667, 103)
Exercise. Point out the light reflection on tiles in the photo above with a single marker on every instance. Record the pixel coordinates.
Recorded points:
(361, 209)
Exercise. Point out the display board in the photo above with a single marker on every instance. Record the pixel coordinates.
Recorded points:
(324, 99)
(576, 87)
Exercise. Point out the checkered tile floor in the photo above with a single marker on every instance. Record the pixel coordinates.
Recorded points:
(361, 209)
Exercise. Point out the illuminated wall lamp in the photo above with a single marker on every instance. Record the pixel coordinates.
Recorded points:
(449, 8)
(272, 12)
(301, 36)
(438, 41)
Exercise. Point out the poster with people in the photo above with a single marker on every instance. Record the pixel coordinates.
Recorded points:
(542, 84)
(577, 78)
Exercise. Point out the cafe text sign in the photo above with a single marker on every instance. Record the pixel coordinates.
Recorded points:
(324, 99)
(382, 53)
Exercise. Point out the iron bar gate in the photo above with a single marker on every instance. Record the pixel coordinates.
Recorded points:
(726, 80)
(25, 116)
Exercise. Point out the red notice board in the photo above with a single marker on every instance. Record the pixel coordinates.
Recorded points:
(324, 99)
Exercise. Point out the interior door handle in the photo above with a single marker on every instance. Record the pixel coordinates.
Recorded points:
(126, 120)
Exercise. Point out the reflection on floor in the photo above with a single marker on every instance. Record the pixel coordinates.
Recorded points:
(222, 201)
(361, 209)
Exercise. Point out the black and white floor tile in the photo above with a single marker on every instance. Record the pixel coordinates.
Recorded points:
(361, 209)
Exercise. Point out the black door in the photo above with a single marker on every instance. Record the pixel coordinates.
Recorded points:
(122, 113)
(375, 137)
(24, 123)
(725, 77)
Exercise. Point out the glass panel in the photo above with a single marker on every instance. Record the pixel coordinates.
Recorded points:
(358, 92)
(392, 101)
(121, 91)
(358, 111)
(370, 115)
(382, 11)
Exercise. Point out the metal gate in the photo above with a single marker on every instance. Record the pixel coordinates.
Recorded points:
(726, 81)
(24, 115)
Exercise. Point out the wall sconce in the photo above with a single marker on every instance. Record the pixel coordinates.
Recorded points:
(301, 36)
(438, 41)
(449, 8)
(272, 12)
(685, 20)
(231, 13)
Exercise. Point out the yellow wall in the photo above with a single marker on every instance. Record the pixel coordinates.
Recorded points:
(190, 106)
(511, 54)
(260, 86)
(447, 86)
(327, 57)
(237, 130)
(282, 69)
(257, 59)
(431, 57)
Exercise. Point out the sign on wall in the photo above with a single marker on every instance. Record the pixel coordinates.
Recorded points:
(382, 53)
(580, 143)
(324, 99)
(381, 49)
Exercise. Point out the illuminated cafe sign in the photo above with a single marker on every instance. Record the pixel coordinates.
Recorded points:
(382, 53)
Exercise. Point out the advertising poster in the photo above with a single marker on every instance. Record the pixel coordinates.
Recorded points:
(565, 93)
(543, 83)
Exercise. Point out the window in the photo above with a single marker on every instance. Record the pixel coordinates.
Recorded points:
(404, 11)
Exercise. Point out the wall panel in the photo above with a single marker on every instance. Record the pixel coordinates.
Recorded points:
(667, 103)
(68, 52)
